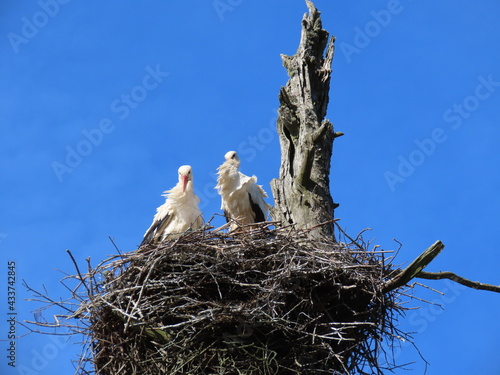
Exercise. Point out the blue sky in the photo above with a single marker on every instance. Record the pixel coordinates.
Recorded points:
(101, 102)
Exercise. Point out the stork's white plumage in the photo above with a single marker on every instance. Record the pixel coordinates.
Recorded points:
(179, 213)
(242, 199)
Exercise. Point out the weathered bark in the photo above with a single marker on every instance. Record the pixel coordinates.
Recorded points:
(302, 191)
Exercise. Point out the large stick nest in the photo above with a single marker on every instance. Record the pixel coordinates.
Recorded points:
(258, 302)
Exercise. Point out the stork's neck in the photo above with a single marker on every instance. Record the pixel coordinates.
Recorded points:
(229, 177)
(177, 193)
(230, 171)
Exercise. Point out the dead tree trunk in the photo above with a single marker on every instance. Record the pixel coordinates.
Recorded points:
(302, 191)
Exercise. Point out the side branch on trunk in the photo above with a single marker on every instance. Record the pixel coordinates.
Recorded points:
(458, 279)
(410, 272)
(415, 270)
(302, 193)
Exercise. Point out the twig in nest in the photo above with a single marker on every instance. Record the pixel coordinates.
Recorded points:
(78, 271)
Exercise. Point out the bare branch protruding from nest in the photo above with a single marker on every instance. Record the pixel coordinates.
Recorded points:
(458, 279)
(415, 270)
(404, 277)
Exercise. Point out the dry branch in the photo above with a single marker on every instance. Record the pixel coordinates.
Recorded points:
(415, 270)
(458, 279)
(404, 277)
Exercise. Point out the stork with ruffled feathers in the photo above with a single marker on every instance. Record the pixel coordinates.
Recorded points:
(242, 199)
(179, 213)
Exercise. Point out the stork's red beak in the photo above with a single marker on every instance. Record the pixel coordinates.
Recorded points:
(184, 183)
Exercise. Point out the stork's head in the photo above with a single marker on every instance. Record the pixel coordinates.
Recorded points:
(185, 175)
(232, 157)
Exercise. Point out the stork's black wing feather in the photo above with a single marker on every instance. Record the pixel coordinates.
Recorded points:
(156, 227)
(259, 215)
(226, 215)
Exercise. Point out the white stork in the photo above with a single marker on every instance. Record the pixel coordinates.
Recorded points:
(179, 213)
(242, 199)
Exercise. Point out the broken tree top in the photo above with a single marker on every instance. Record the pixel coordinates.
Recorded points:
(302, 191)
